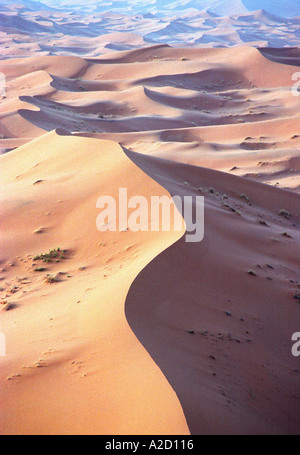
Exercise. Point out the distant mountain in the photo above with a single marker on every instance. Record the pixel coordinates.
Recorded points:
(35, 5)
(261, 16)
(286, 8)
(228, 7)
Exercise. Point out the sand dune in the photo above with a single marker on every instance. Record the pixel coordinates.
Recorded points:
(89, 30)
(78, 343)
(204, 321)
(124, 332)
(166, 97)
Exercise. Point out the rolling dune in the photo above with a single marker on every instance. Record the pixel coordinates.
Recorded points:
(166, 96)
(124, 332)
(88, 30)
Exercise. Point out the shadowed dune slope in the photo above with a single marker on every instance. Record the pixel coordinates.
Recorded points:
(217, 316)
(73, 365)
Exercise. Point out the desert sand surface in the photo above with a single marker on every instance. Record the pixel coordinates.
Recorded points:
(93, 28)
(123, 332)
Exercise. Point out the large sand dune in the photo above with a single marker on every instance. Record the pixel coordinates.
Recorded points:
(142, 332)
(74, 366)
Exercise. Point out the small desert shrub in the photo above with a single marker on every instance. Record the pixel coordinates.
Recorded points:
(285, 234)
(263, 223)
(53, 254)
(50, 279)
(284, 213)
(251, 272)
(245, 197)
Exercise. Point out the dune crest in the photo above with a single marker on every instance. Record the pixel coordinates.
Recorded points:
(80, 352)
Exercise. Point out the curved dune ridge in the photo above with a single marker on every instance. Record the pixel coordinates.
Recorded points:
(204, 343)
(152, 100)
(73, 364)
